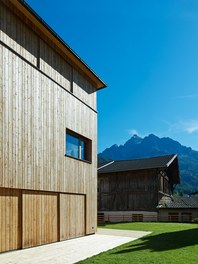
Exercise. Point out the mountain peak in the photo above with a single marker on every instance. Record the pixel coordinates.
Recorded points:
(135, 136)
(134, 140)
(152, 136)
(152, 146)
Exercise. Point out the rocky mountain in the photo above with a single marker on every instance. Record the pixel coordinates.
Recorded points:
(151, 146)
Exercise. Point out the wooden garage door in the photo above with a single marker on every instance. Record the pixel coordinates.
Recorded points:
(72, 216)
(40, 218)
(10, 221)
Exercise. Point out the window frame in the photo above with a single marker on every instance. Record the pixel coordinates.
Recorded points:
(87, 146)
(173, 217)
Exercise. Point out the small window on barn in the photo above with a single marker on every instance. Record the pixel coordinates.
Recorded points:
(137, 217)
(186, 217)
(77, 146)
(173, 217)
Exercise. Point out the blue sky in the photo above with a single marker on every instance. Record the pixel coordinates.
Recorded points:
(147, 53)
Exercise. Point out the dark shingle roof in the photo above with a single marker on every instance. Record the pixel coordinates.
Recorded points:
(180, 202)
(137, 164)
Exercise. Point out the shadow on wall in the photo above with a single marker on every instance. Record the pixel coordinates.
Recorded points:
(40, 50)
(164, 242)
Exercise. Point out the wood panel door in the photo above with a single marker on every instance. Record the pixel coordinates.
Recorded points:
(10, 220)
(72, 216)
(40, 218)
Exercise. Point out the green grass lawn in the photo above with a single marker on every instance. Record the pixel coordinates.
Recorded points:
(168, 243)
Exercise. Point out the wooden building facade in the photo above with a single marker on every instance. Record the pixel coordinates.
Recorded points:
(48, 134)
(130, 190)
(178, 208)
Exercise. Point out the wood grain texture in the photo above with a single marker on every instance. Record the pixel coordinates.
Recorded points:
(10, 237)
(40, 218)
(128, 191)
(36, 108)
(55, 66)
(17, 35)
(44, 32)
(72, 216)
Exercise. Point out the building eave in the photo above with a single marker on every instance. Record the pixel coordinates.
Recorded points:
(77, 62)
(170, 161)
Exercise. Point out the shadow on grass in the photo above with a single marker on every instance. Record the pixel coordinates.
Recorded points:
(164, 241)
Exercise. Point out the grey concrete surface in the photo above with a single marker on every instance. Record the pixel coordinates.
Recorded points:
(123, 233)
(71, 251)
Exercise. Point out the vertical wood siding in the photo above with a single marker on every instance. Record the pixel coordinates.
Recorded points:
(17, 35)
(10, 221)
(34, 114)
(40, 218)
(32, 218)
(72, 216)
(83, 89)
(55, 66)
(132, 191)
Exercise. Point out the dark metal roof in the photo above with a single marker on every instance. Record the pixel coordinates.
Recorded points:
(137, 164)
(184, 202)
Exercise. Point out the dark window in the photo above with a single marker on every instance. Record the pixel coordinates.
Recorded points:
(78, 146)
(137, 217)
(173, 217)
(186, 217)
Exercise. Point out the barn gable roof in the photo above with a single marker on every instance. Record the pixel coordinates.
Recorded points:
(137, 164)
(162, 162)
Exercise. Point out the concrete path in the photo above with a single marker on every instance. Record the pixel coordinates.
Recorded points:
(72, 251)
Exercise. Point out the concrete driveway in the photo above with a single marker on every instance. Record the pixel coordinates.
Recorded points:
(72, 251)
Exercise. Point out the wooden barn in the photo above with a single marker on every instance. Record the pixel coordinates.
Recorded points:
(48, 134)
(130, 190)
